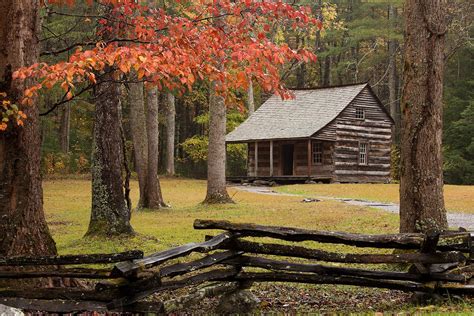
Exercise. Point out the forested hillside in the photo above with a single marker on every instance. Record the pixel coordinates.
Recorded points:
(360, 41)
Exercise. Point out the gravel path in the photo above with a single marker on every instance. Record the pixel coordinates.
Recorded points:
(454, 219)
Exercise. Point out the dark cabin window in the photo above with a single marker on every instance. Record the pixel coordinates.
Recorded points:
(363, 149)
(317, 153)
(360, 113)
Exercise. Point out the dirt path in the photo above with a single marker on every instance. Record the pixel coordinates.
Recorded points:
(454, 219)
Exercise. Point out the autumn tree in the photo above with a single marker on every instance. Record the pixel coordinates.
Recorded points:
(421, 182)
(23, 228)
(110, 214)
(172, 52)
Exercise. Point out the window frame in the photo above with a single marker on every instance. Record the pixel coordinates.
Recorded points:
(365, 153)
(315, 153)
(357, 108)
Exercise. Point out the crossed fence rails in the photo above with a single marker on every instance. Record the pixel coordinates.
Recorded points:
(438, 262)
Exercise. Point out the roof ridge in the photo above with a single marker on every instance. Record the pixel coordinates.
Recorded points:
(330, 87)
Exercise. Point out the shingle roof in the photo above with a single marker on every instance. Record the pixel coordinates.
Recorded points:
(300, 117)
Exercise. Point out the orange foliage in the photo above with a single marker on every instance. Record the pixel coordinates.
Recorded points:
(9, 112)
(175, 51)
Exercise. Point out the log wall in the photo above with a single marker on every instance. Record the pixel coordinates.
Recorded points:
(340, 139)
(374, 130)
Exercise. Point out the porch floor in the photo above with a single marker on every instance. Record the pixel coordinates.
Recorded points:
(278, 179)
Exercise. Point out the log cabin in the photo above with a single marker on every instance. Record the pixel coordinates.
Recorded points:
(335, 134)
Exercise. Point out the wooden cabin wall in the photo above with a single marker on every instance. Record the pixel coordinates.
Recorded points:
(375, 130)
(322, 171)
(326, 169)
(300, 163)
(263, 169)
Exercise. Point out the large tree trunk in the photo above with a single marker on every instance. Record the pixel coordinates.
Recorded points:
(421, 188)
(23, 229)
(216, 157)
(392, 78)
(64, 128)
(170, 133)
(110, 215)
(153, 198)
(139, 135)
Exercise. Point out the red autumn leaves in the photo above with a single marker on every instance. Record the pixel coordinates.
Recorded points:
(224, 41)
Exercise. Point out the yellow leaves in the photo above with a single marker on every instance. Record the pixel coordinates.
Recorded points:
(330, 18)
(9, 112)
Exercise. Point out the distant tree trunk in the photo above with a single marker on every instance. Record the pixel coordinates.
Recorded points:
(421, 188)
(23, 229)
(170, 133)
(216, 157)
(250, 98)
(153, 198)
(110, 215)
(326, 79)
(392, 78)
(301, 70)
(324, 62)
(139, 135)
(64, 128)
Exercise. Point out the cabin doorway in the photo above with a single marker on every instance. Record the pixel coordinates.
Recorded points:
(287, 153)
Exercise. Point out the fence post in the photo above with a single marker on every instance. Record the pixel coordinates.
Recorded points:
(429, 245)
(241, 300)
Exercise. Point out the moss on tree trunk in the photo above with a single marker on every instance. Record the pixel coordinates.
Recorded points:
(421, 176)
(110, 215)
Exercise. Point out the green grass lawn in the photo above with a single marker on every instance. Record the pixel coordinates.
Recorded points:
(458, 198)
(67, 207)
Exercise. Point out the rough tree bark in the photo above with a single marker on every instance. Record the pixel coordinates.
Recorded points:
(216, 157)
(64, 128)
(23, 229)
(152, 198)
(170, 133)
(139, 135)
(421, 187)
(110, 215)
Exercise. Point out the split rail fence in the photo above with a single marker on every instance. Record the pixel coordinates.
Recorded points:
(231, 261)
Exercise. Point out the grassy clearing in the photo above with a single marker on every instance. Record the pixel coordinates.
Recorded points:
(458, 198)
(67, 206)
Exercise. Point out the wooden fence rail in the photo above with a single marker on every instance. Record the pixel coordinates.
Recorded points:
(436, 263)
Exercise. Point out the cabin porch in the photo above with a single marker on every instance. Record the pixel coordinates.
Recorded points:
(289, 161)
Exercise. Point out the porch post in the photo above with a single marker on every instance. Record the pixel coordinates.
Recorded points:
(256, 159)
(309, 158)
(271, 158)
